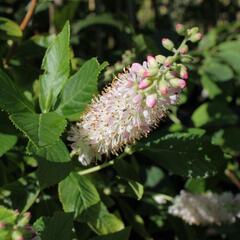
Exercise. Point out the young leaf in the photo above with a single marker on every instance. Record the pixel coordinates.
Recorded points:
(77, 193)
(80, 89)
(11, 100)
(59, 226)
(9, 29)
(213, 114)
(56, 64)
(185, 154)
(41, 129)
(6, 142)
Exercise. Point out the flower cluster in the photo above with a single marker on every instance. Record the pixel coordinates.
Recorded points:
(15, 225)
(205, 209)
(134, 103)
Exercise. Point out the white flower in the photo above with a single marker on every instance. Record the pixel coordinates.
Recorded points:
(208, 208)
(127, 110)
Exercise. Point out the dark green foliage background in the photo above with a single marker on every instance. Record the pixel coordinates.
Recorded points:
(43, 92)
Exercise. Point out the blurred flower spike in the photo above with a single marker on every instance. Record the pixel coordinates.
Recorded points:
(134, 103)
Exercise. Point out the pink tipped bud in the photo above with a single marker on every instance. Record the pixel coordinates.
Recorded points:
(184, 73)
(151, 100)
(185, 76)
(163, 90)
(2, 225)
(137, 98)
(143, 84)
(168, 44)
(182, 84)
(168, 62)
(160, 59)
(146, 74)
(152, 62)
(183, 49)
(180, 29)
(150, 59)
(196, 37)
(178, 83)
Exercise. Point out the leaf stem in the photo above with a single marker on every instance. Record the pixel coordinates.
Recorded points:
(96, 168)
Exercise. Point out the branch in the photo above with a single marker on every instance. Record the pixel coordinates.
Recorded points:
(232, 177)
(28, 15)
(23, 25)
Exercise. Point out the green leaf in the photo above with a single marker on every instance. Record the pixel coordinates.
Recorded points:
(11, 100)
(56, 66)
(6, 142)
(121, 235)
(7, 216)
(218, 71)
(80, 89)
(228, 139)
(195, 185)
(56, 152)
(100, 220)
(154, 175)
(9, 29)
(211, 87)
(51, 173)
(233, 45)
(213, 114)
(59, 226)
(232, 58)
(184, 154)
(41, 129)
(209, 40)
(77, 193)
(129, 188)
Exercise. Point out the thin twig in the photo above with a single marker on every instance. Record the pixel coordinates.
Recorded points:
(28, 15)
(23, 25)
(232, 177)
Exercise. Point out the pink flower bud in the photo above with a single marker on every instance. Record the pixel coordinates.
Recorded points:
(163, 90)
(151, 100)
(183, 49)
(2, 225)
(146, 74)
(185, 76)
(168, 44)
(196, 37)
(137, 98)
(180, 28)
(184, 73)
(143, 84)
(150, 59)
(182, 84)
(178, 83)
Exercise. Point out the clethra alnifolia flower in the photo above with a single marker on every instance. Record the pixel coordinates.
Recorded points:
(206, 209)
(132, 106)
